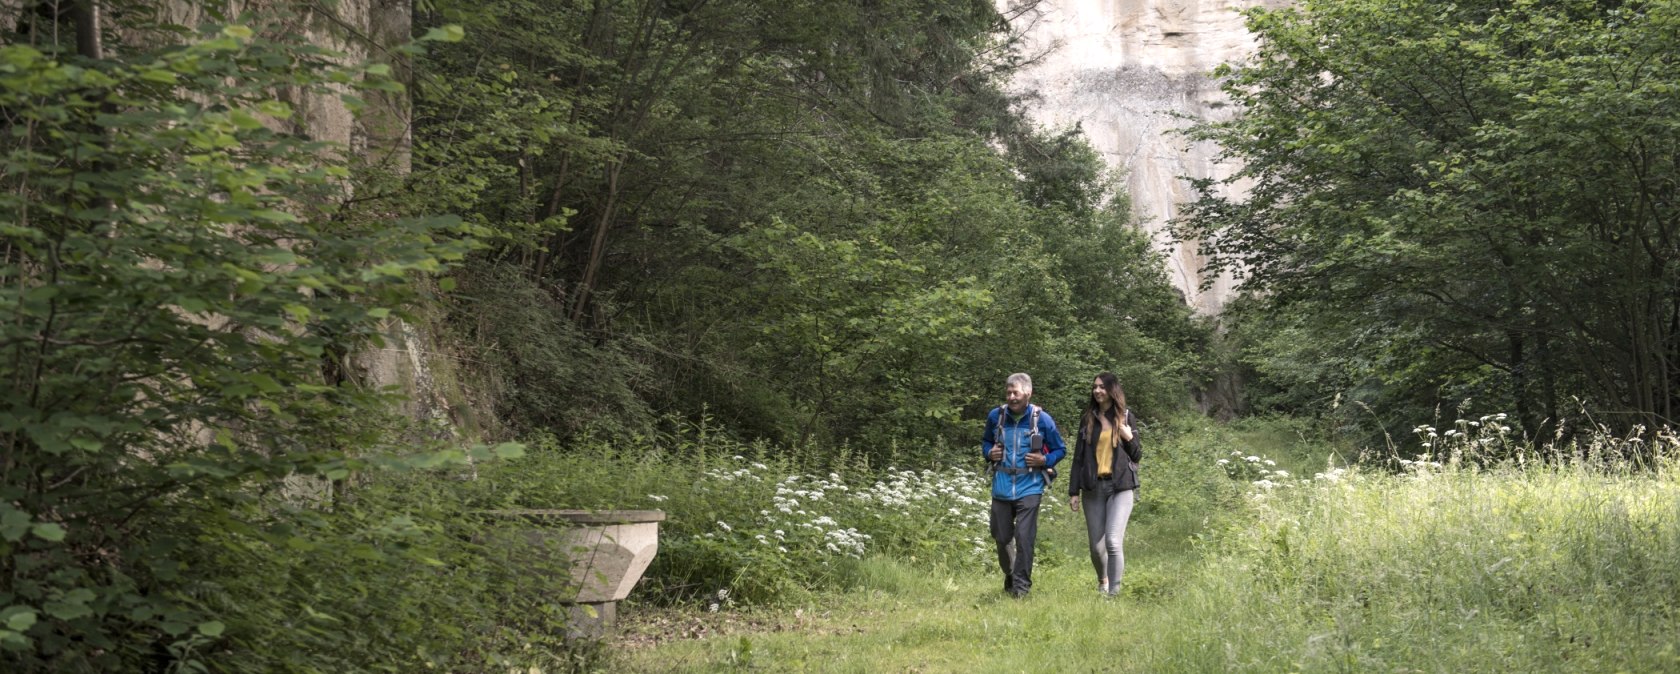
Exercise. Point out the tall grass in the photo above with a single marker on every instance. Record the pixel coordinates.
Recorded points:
(1480, 556)
(1567, 564)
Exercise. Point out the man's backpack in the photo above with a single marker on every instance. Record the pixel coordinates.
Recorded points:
(1035, 443)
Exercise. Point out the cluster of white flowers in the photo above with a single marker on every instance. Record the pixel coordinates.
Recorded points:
(1331, 475)
(1474, 436)
(1258, 470)
(1419, 465)
(738, 473)
(904, 487)
(722, 600)
(846, 541)
(1261, 473)
(951, 495)
(812, 514)
(787, 512)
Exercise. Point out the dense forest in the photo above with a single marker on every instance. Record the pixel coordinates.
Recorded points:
(817, 222)
(735, 259)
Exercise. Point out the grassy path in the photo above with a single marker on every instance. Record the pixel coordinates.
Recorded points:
(908, 619)
(1565, 567)
(904, 618)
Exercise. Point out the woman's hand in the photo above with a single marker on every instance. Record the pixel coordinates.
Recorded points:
(1126, 432)
(1073, 502)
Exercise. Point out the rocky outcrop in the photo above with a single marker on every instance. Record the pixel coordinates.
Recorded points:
(366, 30)
(1132, 73)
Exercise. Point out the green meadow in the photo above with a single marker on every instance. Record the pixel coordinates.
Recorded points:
(1570, 564)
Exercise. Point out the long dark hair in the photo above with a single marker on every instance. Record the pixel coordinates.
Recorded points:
(1116, 415)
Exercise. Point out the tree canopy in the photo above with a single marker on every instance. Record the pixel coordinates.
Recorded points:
(1451, 202)
(818, 222)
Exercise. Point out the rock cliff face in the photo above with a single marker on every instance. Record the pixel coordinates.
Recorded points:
(364, 30)
(1130, 72)
(361, 30)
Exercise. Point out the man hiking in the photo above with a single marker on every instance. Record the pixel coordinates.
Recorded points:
(1022, 444)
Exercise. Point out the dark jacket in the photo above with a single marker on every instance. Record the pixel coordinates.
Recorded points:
(1083, 475)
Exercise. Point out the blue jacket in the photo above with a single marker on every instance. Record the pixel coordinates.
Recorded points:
(1013, 480)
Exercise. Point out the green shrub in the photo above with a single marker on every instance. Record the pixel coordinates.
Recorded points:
(186, 459)
(541, 370)
(1179, 477)
(753, 522)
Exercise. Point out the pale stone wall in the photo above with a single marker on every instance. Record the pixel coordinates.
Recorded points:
(1124, 70)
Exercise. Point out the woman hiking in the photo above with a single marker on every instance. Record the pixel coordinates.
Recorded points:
(1104, 480)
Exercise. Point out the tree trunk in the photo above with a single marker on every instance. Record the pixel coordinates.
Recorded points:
(598, 243)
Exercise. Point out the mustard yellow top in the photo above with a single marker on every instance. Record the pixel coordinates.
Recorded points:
(1105, 451)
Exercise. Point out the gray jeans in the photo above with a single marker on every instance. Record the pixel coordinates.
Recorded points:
(1106, 513)
(1015, 530)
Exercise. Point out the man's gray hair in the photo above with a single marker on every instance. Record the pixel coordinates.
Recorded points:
(1022, 379)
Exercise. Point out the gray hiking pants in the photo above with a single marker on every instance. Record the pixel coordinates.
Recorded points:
(1106, 513)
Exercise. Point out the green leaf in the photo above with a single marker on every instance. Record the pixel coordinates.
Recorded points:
(238, 32)
(14, 523)
(18, 618)
(212, 628)
(67, 610)
(273, 215)
(275, 109)
(509, 450)
(158, 76)
(20, 56)
(244, 120)
(264, 383)
(48, 531)
(446, 33)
